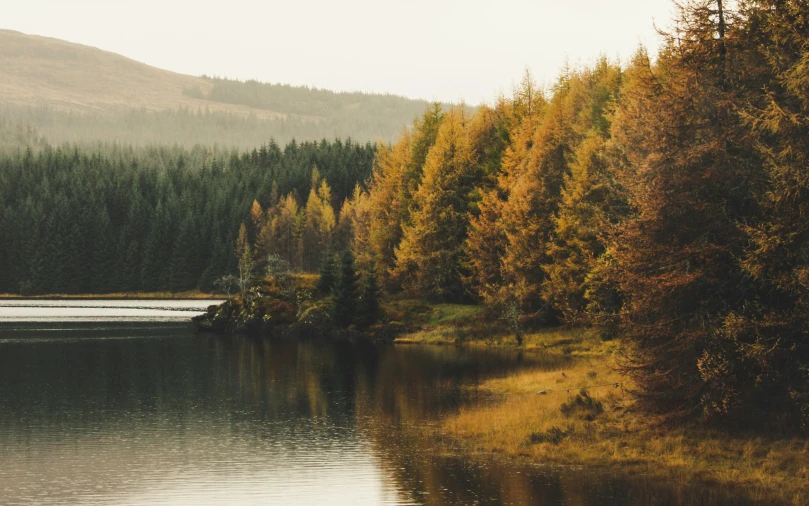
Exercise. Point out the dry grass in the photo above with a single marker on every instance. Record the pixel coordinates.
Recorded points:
(528, 422)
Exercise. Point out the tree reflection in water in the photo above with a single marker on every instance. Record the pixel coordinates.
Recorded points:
(145, 414)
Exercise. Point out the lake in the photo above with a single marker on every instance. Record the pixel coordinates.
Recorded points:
(119, 402)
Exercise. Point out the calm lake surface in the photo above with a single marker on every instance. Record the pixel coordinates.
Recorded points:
(119, 402)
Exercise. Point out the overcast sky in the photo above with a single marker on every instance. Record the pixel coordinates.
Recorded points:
(447, 50)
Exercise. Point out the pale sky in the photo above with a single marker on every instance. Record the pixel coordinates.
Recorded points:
(448, 50)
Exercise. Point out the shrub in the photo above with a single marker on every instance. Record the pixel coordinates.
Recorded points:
(583, 405)
(554, 435)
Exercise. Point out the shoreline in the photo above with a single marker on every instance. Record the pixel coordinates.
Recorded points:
(578, 411)
(192, 295)
(574, 408)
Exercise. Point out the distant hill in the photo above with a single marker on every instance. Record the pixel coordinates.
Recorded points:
(72, 92)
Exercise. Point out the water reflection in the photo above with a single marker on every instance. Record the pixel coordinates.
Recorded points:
(154, 415)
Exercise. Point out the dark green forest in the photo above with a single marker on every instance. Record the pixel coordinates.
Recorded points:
(75, 220)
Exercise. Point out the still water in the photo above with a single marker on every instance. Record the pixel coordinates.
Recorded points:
(121, 403)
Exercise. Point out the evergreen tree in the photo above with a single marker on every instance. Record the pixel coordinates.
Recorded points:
(117, 218)
(368, 309)
(344, 292)
(344, 230)
(327, 273)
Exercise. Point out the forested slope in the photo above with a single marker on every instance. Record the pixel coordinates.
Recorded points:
(74, 93)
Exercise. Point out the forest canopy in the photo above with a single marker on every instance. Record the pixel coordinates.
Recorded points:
(130, 219)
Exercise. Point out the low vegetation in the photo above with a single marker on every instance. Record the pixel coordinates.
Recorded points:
(581, 412)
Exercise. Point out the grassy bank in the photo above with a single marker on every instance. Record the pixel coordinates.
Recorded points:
(191, 294)
(582, 413)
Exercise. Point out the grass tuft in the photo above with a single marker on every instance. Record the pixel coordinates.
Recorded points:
(583, 406)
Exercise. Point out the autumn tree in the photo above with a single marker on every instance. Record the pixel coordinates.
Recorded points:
(389, 203)
(398, 171)
(285, 229)
(591, 202)
(689, 170)
(255, 221)
(429, 259)
(360, 218)
(486, 244)
(761, 366)
(318, 223)
(534, 187)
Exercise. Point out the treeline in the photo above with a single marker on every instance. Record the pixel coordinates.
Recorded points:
(189, 128)
(125, 219)
(665, 201)
(346, 108)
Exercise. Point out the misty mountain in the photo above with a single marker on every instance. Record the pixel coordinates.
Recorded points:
(69, 92)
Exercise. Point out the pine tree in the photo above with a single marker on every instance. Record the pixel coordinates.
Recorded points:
(327, 273)
(154, 254)
(344, 292)
(344, 230)
(368, 308)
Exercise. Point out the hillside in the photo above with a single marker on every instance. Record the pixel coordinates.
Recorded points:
(72, 92)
